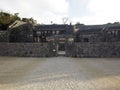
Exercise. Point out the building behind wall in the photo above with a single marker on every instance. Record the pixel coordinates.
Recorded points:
(26, 32)
(98, 33)
(80, 41)
(44, 33)
(95, 41)
(22, 33)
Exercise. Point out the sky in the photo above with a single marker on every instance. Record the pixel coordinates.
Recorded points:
(87, 12)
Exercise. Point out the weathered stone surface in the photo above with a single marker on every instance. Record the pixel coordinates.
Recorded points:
(4, 36)
(101, 49)
(72, 49)
(26, 49)
(21, 33)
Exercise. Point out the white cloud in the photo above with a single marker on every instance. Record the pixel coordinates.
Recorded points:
(101, 11)
(47, 17)
(44, 11)
(38, 9)
(104, 6)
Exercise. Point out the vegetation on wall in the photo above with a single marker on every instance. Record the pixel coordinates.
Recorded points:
(78, 24)
(7, 19)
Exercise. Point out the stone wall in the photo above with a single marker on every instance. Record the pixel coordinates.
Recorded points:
(21, 33)
(4, 36)
(27, 49)
(97, 49)
(73, 49)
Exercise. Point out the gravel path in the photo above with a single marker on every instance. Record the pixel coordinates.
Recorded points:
(59, 73)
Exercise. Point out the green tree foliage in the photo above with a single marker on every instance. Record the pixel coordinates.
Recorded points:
(78, 24)
(25, 19)
(29, 20)
(6, 19)
(113, 23)
(116, 23)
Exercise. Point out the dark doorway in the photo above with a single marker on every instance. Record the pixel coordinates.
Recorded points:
(61, 49)
(86, 40)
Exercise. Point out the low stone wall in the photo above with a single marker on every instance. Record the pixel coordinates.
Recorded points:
(98, 49)
(27, 49)
(106, 49)
(4, 36)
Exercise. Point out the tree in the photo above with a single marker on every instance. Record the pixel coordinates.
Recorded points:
(78, 24)
(65, 19)
(25, 19)
(116, 23)
(29, 20)
(6, 19)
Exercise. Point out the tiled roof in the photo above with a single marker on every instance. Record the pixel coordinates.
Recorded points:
(99, 27)
(91, 27)
(51, 27)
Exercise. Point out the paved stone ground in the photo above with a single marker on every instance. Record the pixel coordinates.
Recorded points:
(59, 73)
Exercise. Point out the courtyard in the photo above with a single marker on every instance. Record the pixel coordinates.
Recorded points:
(59, 73)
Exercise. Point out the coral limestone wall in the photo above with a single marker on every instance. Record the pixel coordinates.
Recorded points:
(26, 49)
(98, 49)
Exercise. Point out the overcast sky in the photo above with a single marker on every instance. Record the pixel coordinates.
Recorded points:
(83, 11)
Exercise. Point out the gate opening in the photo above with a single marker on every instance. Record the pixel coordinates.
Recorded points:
(61, 49)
